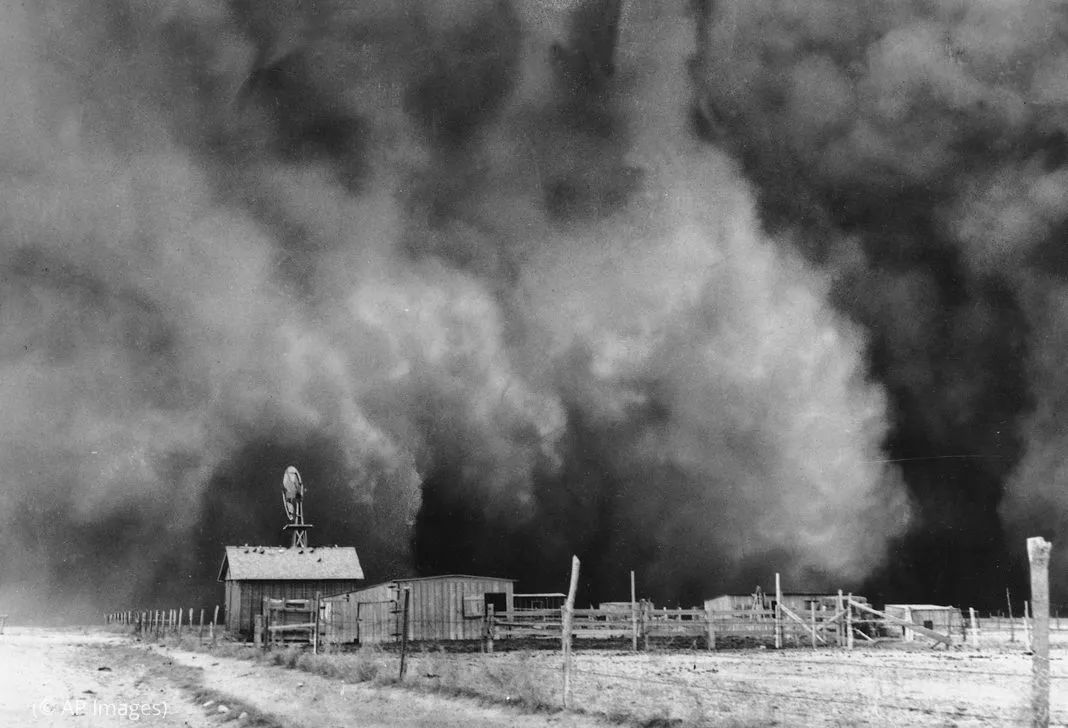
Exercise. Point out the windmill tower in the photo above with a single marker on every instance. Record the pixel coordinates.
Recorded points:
(293, 501)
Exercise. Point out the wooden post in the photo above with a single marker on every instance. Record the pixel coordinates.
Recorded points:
(491, 618)
(778, 612)
(315, 633)
(200, 628)
(1027, 626)
(1012, 623)
(974, 626)
(1038, 555)
(812, 606)
(565, 633)
(633, 615)
(838, 631)
(849, 622)
(214, 621)
(710, 617)
(645, 624)
(404, 634)
(178, 631)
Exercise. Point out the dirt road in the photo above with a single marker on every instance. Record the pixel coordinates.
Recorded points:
(54, 678)
(68, 679)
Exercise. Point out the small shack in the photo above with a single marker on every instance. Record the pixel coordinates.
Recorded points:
(932, 616)
(255, 573)
(544, 600)
(446, 607)
(797, 602)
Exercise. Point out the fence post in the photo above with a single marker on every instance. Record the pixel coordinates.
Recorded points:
(974, 627)
(1012, 623)
(839, 633)
(849, 621)
(779, 613)
(812, 606)
(633, 615)
(565, 636)
(1028, 612)
(1038, 554)
(315, 633)
(491, 616)
(646, 618)
(404, 634)
(178, 631)
(710, 618)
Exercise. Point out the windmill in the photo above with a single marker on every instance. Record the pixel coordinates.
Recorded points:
(293, 502)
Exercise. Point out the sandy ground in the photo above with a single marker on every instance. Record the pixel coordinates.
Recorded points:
(298, 698)
(54, 678)
(889, 685)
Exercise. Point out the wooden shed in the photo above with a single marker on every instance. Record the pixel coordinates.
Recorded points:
(447, 607)
(253, 573)
(797, 602)
(542, 600)
(932, 616)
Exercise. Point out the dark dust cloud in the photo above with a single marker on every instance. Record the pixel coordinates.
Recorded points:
(476, 269)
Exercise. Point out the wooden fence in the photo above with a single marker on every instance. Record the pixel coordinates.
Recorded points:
(842, 627)
(300, 621)
(157, 623)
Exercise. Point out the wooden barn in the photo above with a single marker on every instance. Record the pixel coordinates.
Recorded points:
(932, 616)
(253, 573)
(447, 607)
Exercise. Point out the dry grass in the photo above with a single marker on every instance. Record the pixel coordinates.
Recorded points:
(522, 680)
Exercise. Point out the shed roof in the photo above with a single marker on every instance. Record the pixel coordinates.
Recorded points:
(453, 576)
(771, 595)
(274, 563)
(922, 607)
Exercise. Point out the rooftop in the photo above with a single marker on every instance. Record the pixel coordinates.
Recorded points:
(928, 607)
(275, 563)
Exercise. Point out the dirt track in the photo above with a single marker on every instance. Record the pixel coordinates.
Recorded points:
(52, 678)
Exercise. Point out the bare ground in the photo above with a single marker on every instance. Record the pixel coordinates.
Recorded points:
(53, 678)
(71, 679)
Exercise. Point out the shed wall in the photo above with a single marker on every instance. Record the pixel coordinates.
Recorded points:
(363, 616)
(940, 620)
(245, 598)
(437, 606)
(436, 610)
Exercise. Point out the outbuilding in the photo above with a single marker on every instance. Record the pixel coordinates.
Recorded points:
(932, 616)
(445, 607)
(255, 573)
(797, 602)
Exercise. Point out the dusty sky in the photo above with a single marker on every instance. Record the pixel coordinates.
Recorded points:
(476, 269)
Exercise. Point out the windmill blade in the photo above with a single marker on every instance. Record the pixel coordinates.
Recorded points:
(292, 491)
